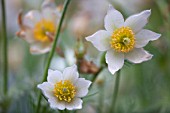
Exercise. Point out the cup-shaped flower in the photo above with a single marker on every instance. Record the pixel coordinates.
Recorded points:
(38, 28)
(65, 90)
(123, 39)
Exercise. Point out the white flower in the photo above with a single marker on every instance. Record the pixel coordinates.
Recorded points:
(123, 39)
(65, 90)
(38, 27)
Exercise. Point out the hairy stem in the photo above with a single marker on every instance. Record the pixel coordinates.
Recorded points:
(115, 93)
(102, 63)
(52, 50)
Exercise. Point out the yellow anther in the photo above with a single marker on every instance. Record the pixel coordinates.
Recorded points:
(44, 30)
(64, 90)
(123, 40)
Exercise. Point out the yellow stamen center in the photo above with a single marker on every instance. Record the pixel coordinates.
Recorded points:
(44, 30)
(123, 40)
(64, 90)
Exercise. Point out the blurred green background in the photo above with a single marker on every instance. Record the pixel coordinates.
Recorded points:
(144, 88)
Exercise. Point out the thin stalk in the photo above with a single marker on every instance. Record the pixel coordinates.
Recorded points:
(39, 102)
(60, 111)
(102, 63)
(56, 40)
(115, 93)
(95, 76)
(65, 111)
(101, 98)
(5, 44)
(52, 50)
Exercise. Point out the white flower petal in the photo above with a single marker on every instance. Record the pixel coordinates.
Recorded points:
(54, 76)
(27, 35)
(113, 19)
(144, 36)
(51, 15)
(138, 55)
(115, 60)
(40, 48)
(70, 73)
(56, 104)
(82, 86)
(100, 40)
(76, 103)
(138, 21)
(31, 18)
(47, 89)
(48, 4)
(50, 71)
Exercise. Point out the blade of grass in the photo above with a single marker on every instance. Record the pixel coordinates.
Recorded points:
(5, 47)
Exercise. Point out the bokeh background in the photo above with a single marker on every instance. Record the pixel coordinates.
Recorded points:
(144, 88)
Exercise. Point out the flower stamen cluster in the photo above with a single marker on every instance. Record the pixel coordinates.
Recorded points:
(44, 31)
(64, 90)
(123, 40)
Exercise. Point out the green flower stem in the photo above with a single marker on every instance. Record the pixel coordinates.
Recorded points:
(52, 50)
(65, 111)
(95, 76)
(116, 88)
(55, 41)
(101, 98)
(5, 44)
(61, 111)
(102, 63)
